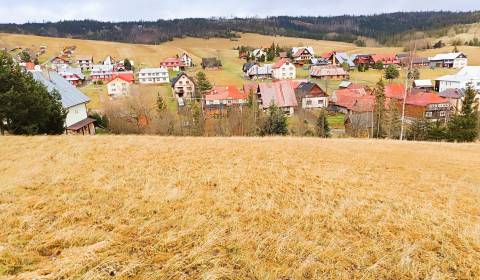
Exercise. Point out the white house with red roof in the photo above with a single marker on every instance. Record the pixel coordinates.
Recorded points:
(120, 83)
(284, 70)
(186, 60)
(302, 55)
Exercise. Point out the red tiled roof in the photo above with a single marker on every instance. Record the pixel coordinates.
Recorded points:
(385, 58)
(424, 99)
(279, 63)
(358, 100)
(127, 77)
(225, 92)
(395, 91)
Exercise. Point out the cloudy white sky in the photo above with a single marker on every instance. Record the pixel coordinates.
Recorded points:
(20, 11)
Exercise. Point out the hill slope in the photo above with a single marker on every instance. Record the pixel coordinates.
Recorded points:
(385, 28)
(130, 207)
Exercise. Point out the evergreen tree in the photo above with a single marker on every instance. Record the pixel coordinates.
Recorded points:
(323, 127)
(378, 65)
(26, 106)
(202, 83)
(345, 66)
(25, 56)
(419, 130)
(275, 122)
(463, 127)
(379, 109)
(127, 64)
(391, 73)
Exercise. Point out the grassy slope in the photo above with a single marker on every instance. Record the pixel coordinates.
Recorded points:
(269, 208)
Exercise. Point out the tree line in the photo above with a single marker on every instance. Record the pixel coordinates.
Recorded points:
(385, 28)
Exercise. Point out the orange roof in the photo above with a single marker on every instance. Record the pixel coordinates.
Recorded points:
(225, 92)
(424, 99)
(385, 58)
(358, 100)
(396, 91)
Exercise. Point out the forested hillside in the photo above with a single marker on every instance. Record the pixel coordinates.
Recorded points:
(387, 29)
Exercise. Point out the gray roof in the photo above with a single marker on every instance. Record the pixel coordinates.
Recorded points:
(70, 95)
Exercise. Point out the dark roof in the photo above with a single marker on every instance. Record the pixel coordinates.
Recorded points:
(211, 62)
(452, 93)
(174, 80)
(80, 124)
(247, 66)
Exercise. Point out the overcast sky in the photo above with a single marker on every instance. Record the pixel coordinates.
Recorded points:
(21, 11)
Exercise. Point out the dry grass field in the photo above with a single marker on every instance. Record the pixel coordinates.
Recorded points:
(132, 207)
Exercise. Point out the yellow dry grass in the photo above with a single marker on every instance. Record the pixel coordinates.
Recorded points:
(139, 207)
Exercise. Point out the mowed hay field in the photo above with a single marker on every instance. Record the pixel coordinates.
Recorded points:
(139, 207)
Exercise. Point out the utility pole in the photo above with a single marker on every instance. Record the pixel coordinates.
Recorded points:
(402, 128)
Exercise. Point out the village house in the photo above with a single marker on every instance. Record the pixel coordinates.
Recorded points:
(173, 63)
(183, 86)
(419, 103)
(455, 97)
(449, 60)
(363, 59)
(407, 60)
(73, 101)
(119, 85)
(467, 75)
(257, 72)
(153, 76)
(85, 62)
(223, 97)
(339, 58)
(73, 75)
(302, 55)
(59, 63)
(279, 93)
(101, 72)
(426, 104)
(186, 60)
(257, 54)
(329, 72)
(385, 59)
(284, 70)
(211, 63)
(357, 104)
(311, 96)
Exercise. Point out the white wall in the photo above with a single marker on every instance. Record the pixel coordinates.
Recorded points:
(75, 114)
(317, 102)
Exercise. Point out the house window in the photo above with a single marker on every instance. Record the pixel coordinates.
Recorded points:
(443, 113)
(428, 114)
(309, 102)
